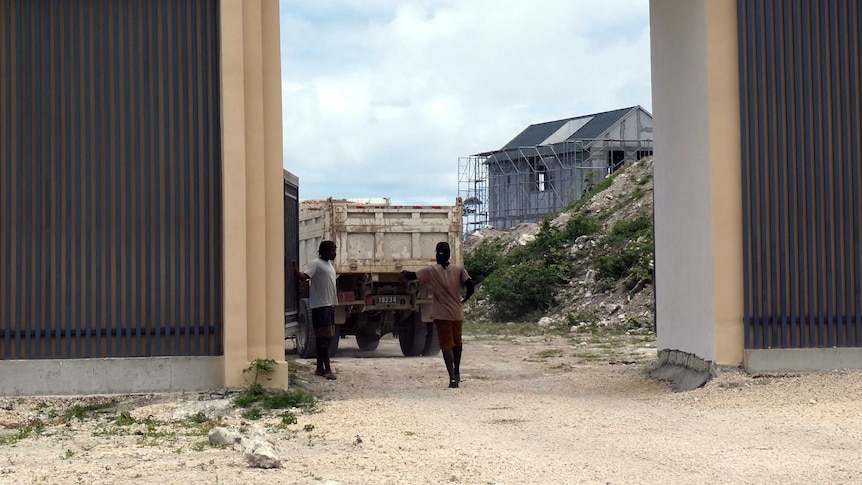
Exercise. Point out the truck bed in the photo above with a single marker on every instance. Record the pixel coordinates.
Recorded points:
(378, 238)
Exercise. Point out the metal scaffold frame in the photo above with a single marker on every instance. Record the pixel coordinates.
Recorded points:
(473, 191)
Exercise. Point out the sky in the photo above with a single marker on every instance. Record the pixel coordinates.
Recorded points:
(382, 97)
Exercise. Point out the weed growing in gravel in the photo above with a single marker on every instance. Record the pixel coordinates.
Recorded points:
(255, 398)
(201, 424)
(33, 426)
(546, 354)
(124, 419)
(252, 413)
(199, 418)
(588, 356)
(88, 410)
(288, 418)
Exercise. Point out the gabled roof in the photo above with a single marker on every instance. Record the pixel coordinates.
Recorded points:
(594, 127)
(600, 123)
(536, 134)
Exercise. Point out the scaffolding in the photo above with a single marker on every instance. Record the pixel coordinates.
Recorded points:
(508, 187)
(473, 191)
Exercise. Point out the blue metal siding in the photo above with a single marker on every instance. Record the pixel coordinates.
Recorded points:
(110, 179)
(800, 70)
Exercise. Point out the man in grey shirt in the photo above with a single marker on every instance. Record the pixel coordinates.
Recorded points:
(322, 298)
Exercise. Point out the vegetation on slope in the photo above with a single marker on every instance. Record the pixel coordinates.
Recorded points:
(606, 243)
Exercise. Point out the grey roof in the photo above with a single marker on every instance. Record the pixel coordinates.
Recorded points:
(600, 123)
(536, 134)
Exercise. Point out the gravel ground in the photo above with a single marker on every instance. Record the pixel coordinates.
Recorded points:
(536, 410)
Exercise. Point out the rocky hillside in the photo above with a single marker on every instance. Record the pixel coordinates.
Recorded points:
(607, 274)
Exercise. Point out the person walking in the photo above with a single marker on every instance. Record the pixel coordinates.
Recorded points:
(322, 298)
(445, 281)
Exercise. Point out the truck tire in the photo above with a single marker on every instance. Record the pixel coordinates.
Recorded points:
(367, 343)
(412, 338)
(432, 341)
(306, 345)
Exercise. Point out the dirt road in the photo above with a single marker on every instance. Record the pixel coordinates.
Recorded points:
(530, 410)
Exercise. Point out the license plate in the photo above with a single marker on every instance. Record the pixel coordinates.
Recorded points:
(386, 299)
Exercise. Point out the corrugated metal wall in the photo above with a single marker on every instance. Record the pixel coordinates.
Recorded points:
(110, 179)
(800, 76)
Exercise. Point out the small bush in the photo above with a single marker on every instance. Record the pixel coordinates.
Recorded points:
(253, 394)
(580, 317)
(288, 418)
(630, 229)
(125, 419)
(615, 266)
(517, 291)
(547, 249)
(287, 399)
(253, 414)
(581, 225)
(628, 254)
(606, 284)
(483, 260)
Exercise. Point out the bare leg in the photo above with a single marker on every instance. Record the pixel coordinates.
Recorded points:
(319, 371)
(456, 353)
(448, 359)
(327, 364)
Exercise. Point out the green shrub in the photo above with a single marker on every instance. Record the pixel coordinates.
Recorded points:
(547, 249)
(252, 413)
(628, 254)
(484, 259)
(517, 291)
(631, 229)
(581, 225)
(616, 265)
(605, 284)
(282, 399)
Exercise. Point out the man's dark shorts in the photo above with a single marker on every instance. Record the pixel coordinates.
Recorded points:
(323, 320)
(449, 333)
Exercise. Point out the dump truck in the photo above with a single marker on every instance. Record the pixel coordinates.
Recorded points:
(376, 241)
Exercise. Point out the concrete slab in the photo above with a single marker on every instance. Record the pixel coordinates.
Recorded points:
(761, 361)
(110, 376)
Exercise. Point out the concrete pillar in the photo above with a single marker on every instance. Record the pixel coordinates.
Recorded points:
(253, 206)
(698, 202)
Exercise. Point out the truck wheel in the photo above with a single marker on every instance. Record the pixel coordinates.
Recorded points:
(367, 343)
(432, 341)
(412, 337)
(306, 346)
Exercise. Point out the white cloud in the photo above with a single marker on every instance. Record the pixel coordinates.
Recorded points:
(382, 97)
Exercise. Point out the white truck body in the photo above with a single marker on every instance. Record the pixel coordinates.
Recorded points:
(376, 241)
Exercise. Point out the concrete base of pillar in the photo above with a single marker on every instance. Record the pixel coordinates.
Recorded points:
(685, 371)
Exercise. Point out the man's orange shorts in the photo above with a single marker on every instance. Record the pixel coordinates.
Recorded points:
(449, 333)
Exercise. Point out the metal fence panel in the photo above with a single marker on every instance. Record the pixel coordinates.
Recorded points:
(110, 179)
(800, 73)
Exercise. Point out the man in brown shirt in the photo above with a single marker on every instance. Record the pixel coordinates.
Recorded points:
(445, 281)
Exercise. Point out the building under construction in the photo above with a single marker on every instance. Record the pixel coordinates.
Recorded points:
(549, 165)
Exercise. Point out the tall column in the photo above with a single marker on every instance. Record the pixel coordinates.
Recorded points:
(253, 206)
(698, 201)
